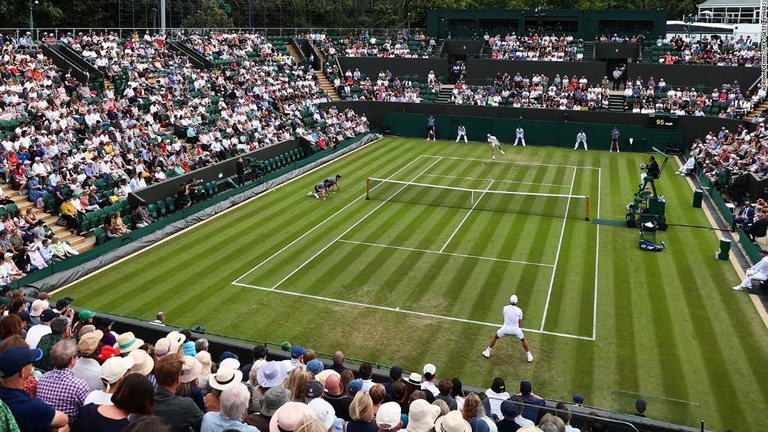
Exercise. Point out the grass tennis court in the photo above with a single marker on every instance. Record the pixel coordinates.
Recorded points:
(420, 274)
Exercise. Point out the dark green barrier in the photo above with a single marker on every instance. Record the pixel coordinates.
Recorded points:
(537, 132)
(113, 244)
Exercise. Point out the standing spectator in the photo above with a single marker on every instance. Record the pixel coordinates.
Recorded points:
(59, 387)
(617, 78)
(180, 412)
(240, 168)
(581, 138)
(31, 414)
(462, 133)
(366, 370)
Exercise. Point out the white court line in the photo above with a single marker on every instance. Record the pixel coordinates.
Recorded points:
(319, 225)
(444, 253)
(466, 217)
(597, 254)
(511, 162)
(497, 181)
(351, 228)
(557, 255)
(404, 311)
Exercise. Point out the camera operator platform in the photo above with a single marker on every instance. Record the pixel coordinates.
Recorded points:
(647, 205)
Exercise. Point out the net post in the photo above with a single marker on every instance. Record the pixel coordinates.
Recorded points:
(587, 216)
(367, 188)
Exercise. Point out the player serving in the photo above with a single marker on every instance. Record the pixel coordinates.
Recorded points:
(495, 144)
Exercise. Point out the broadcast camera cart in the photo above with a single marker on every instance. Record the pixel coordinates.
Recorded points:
(647, 205)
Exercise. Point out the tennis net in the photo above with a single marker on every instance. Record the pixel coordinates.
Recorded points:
(555, 205)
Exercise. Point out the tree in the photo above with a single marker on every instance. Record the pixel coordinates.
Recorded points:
(210, 14)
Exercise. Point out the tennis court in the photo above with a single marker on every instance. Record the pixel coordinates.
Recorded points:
(440, 225)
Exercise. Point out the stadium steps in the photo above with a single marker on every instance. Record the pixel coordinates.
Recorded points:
(79, 243)
(327, 86)
(444, 97)
(589, 50)
(616, 103)
(292, 51)
(109, 85)
(759, 110)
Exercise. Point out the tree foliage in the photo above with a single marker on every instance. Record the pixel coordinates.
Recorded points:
(210, 14)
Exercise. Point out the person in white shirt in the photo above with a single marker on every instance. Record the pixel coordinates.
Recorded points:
(495, 144)
(513, 320)
(462, 133)
(495, 396)
(519, 136)
(581, 137)
(429, 379)
(36, 332)
(758, 272)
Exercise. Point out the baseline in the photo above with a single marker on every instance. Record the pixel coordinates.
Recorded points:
(404, 311)
(482, 258)
(510, 162)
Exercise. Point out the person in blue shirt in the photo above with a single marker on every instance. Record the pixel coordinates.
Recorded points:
(431, 128)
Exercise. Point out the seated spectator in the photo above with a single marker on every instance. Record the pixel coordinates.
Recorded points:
(132, 397)
(234, 407)
(31, 414)
(59, 387)
(180, 412)
(114, 226)
(532, 400)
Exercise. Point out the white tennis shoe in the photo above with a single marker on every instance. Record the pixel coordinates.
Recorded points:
(487, 353)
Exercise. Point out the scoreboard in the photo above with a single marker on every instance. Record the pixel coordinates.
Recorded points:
(662, 121)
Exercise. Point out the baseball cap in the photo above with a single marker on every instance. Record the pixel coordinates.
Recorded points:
(313, 389)
(396, 373)
(13, 360)
(429, 368)
(323, 411)
(48, 315)
(64, 302)
(509, 408)
(513, 299)
(315, 366)
(85, 314)
(355, 386)
(525, 387)
(579, 399)
(388, 416)
(297, 351)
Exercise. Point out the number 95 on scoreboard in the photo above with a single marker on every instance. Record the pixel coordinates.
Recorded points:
(662, 121)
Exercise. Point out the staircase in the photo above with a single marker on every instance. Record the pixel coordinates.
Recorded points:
(589, 50)
(327, 86)
(292, 51)
(616, 102)
(109, 85)
(759, 110)
(79, 243)
(444, 96)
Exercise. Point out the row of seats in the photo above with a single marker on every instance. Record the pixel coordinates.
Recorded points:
(94, 219)
(275, 163)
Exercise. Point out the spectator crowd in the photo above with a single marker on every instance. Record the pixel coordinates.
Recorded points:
(66, 371)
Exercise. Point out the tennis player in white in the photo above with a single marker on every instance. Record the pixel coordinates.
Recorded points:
(513, 320)
(462, 133)
(495, 144)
